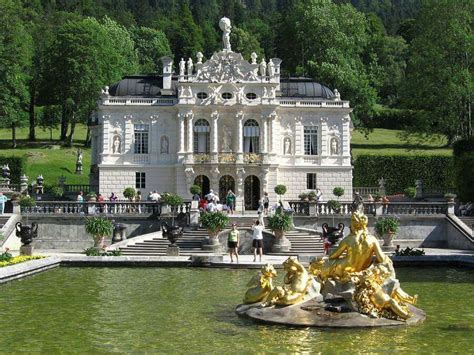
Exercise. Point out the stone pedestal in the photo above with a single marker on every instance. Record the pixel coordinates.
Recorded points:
(212, 244)
(194, 215)
(26, 250)
(172, 250)
(281, 245)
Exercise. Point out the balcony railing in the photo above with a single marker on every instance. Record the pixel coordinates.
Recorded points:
(305, 208)
(252, 158)
(138, 101)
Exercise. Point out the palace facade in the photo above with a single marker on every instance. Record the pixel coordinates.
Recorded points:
(224, 123)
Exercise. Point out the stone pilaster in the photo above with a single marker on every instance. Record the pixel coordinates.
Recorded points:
(214, 137)
(346, 136)
(240, 137)
(324, 136)
(128, 134)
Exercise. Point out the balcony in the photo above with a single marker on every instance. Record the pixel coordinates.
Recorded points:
(252, 158)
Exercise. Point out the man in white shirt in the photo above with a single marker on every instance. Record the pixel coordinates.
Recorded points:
(155, 196)
(211, 196)
(212, 206)
(257, 240)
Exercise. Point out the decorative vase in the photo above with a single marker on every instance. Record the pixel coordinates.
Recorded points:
(388, 238)
(281, 243)
(99, 242)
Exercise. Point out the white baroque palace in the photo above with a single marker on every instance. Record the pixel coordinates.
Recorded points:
(225, 123)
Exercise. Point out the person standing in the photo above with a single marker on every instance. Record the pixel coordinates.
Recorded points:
(230, 201)
(3, 200)
(319, 196)
(233, 243)
(257, 240)
(80, 197)
(266, 202)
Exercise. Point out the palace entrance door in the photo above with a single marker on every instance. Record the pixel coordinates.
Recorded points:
(251, 192)
(226, 183)
(203, 182)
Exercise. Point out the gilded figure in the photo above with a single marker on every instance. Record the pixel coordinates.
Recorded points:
(260, 285)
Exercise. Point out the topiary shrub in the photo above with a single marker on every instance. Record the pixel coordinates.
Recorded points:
(173, 201)
(129, 193)
(195, 190)
(338, 192)
(214, 222)
(280, 190)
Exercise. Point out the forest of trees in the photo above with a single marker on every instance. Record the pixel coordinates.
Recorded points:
(402, 63)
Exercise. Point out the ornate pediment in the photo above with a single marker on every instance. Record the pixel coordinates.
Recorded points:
(227, 67)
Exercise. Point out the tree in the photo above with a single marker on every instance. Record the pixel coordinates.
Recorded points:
(15, 63)
(151, 45)
(49, 118)
(243, 42)
(333, 39)
(439, 81)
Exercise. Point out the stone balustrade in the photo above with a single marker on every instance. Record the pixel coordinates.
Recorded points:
(141, 101)
(103, 208)
(310, 208)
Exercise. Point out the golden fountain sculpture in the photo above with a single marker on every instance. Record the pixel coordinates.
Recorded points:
(357, 271)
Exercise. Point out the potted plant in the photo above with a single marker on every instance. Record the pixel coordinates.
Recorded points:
(57, 192)
(129, 193)
(280, 190)
(410, 192)
(91, 196)
(449, 197)
(173, 201)
(312, 196)
(195, 190)
(303, 196)
(27, 202)
(387, 227)
(98, 228)
(280, 223)
(338, 192)
(214, 222)
(377, 197)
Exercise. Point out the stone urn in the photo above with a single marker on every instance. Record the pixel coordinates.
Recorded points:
(26, 233)
(172, 233)
(119, 232)
(332, 235)
(281, 243)
(388, 239)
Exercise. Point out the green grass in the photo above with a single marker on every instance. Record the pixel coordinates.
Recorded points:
(47, 157)
(52, 160)
(388, 142)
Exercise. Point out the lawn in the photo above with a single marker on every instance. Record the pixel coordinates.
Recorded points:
(386, 141)
(52, 160)
(47, 157)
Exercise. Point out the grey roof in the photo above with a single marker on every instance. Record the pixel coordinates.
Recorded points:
(139, 85)
(151, 85)
(304, 87)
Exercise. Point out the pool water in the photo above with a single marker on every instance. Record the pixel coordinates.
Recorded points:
(189, 310)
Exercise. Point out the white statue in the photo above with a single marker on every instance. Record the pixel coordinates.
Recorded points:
(226, 139)
(271, 69)
(337, 95)
(225, 26)
(273, 92)
(164, 145)
(240, 95)
(116, 144)
(199, 57)
(190, 66)
(79, 157)
(263, 67)
(265, 93)
(334, 146)
(287, 146)
(254, 56)
(182, 67)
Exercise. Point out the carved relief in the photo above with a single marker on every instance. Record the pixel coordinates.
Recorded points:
(164, 145)
(226, 67)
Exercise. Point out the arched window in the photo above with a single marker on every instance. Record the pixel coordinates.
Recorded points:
(251, 137)
(202, 136)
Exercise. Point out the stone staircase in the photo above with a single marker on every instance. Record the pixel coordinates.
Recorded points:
(304, 243)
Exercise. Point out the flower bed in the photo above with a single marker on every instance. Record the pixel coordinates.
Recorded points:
(6, 259)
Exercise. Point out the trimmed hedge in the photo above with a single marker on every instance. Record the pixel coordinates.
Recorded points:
(17, 167)
(400, 171)
(391, 118)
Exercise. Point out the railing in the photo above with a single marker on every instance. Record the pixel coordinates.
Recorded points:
(201, 158)
(307, 208)
(141, 159)
(9, 187)
(102, 208)
(313, 103)
(252, 158)
(80, 187)
(366, 191)
(139, 101)
(227, 158)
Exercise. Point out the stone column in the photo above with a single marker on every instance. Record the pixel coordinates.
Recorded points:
(214, 137)
(181, 118)
(264, 135)
(240, 137)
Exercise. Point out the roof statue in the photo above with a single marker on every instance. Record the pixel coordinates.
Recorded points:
(225, 26)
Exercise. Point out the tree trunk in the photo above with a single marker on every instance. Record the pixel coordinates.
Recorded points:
(13, 135)
(70, 139)
(31, 112)
(64, 124)
(87, 143)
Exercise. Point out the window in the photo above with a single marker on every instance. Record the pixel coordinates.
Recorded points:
(251, 137)
(310, 140)
(202, 136)
(141, 139)
(226, 95)
(201, 95)
(140, 179)
(311, 181)
(251, 96)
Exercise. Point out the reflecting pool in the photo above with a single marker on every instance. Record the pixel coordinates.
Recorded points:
(191, 310)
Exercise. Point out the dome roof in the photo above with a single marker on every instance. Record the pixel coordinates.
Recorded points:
(304, 87)
(139, 85)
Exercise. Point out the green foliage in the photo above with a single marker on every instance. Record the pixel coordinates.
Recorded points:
(439, 80)
(93, 251)
(27, 201)
(463, 146)
(410, 192)
(464, 176)
(195, 189)
(214, 222)
(280, 190)
(338, 191)
(245, 43)
(151, 44)
(385, 225)
(280, 222)
(303, 196)
(172, 200)
(6, 256)
(410, 252)
(400, 172)
(392, 118)
(312, 195)
(129, 193)
(98, 226)
(57, 191)
(334, 205)
(16, 165)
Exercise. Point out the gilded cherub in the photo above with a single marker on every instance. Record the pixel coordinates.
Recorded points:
(260, 285)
